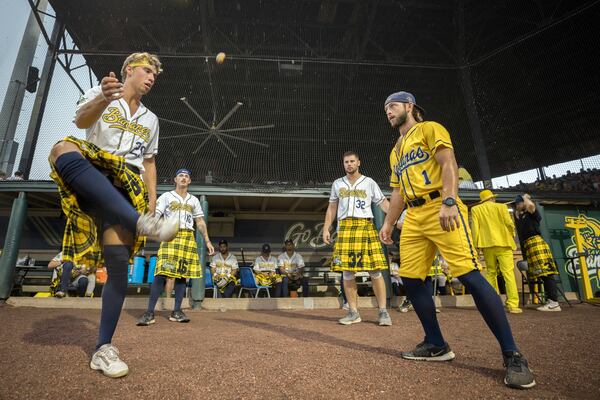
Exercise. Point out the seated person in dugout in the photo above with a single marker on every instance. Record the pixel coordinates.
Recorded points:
(265, 268)
(224, 268)
(291, 266)
(67, 277)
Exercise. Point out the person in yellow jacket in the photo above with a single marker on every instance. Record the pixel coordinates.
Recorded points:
(493, 232)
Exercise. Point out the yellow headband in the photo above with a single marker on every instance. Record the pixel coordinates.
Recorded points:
(143, 62)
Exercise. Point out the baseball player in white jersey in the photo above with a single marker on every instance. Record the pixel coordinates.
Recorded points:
(291, 266)
(178, 259)
(358, 248)
(102, 190)
(224, 267)
(265, 268)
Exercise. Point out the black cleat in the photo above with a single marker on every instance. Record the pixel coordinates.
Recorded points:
(518, 374)
(146, 319)
(429, 352)
(178, 316)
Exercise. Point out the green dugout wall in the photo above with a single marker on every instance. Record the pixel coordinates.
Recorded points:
(562, 243)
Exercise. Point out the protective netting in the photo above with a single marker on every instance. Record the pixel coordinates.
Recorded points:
(293, 124)
(302, 84)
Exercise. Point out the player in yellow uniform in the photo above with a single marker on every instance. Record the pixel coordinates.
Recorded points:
(425, 179)
(494, 233)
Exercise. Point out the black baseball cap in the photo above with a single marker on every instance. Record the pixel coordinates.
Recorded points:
(288, 241)
(519, 199)
(266, 248)
(223, 241)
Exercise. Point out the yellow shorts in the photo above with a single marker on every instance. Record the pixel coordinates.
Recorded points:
(422, 234)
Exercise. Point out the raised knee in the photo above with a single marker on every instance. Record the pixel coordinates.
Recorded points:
(61, 148)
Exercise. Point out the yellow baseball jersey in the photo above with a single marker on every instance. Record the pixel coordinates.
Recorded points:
(414, 168)
(416, 172)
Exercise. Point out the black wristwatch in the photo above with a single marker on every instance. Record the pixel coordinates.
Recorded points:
(449, 201)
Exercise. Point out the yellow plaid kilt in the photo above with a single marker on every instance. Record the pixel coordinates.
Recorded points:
(358, 247)
(81, 235)
(230, 278)
(540, 261)
(179, 257)
(263, 279)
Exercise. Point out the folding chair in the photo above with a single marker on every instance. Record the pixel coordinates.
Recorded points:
(525, 280)
(248, 282)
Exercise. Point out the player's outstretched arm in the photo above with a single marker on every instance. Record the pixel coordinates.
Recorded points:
(89, 113)
(449, 218)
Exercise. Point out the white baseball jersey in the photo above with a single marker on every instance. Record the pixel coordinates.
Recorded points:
(265, 265)
(291, 263)
(355, 200)
(224, 266)
(133, 137)
(171, 204)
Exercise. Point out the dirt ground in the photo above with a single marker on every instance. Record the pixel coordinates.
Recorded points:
(292, 354)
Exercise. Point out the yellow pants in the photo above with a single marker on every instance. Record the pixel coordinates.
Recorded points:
(422, 235)
(502, 257)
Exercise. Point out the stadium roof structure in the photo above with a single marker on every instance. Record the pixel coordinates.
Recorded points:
(514, 81)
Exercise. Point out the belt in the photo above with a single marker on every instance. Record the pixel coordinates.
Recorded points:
(419, 201)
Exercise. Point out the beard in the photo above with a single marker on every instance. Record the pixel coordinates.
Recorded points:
(398, 121)
(223, 251)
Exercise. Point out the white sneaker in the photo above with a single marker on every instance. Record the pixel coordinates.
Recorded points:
(384, 318)
(551, 306)
(352, 317)
(106, 359)
(158, 229)
(346, 307)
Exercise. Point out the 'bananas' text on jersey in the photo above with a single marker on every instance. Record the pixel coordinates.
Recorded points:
(117, 120)
(353, 193)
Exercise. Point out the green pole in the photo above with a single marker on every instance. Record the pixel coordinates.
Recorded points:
(198, 288)
(379, 217)
(18, 215)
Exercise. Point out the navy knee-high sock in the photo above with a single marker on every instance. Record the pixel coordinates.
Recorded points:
(116, 259)
(419, 294)
(179, 293)
(157, 287)
(95, 188)
(490, 306)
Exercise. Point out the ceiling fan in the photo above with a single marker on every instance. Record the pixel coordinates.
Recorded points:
(216, 129)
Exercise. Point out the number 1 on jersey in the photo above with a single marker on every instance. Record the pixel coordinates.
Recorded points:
(427, 181)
